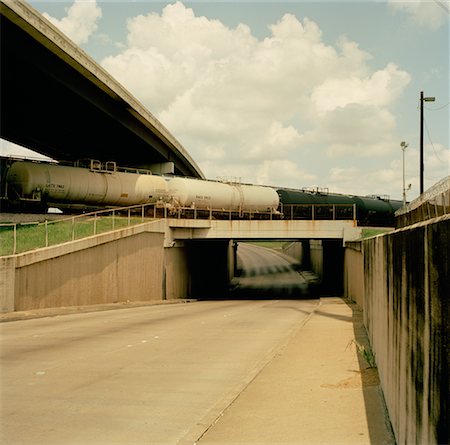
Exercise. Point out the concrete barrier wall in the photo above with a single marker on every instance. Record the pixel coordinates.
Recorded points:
(316, 254)
(406, 313)
(354, 272)
(294, 250)
(7, 283)
(138, 263)
(178, 281)
(112, 267)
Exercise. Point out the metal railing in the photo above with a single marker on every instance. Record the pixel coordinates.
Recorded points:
(21, 237)
(319, 211)
(438, 205)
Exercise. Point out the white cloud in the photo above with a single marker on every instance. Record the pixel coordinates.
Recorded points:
(283, 171)
(259, 109)
(80, 22)
(379, 89)
(426, 13)
(388, 179)
(357, 130)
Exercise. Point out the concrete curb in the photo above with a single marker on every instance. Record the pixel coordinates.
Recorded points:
(54, 312)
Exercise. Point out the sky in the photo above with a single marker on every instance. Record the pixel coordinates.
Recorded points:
(293, 94)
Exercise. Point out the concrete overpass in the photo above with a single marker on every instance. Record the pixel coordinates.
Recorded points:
(165, 257)
(184, 229)
(56, 100)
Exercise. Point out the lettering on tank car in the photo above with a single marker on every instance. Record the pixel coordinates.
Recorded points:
(203, 197)
(124, 195)
(55, 187)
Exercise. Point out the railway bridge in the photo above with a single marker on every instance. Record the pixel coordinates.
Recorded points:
(165, 258)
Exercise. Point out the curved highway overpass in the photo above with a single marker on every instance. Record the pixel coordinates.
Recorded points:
(56, 100)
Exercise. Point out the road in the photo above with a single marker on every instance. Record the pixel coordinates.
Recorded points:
(266, 273)
(149, 375)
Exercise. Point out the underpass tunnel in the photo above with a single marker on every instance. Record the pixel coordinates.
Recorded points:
(270, 269)
(295, 269)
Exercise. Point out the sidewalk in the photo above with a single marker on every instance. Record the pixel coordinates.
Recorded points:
(317, 390)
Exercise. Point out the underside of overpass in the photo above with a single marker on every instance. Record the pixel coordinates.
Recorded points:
(216, 272)
(57, 101)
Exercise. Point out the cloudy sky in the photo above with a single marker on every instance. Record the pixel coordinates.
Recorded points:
(298, 94)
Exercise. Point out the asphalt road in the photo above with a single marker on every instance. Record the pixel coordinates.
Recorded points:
(147, 375)
(266, 273)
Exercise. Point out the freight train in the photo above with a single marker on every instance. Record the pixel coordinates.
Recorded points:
(43, 185)
(376, 211)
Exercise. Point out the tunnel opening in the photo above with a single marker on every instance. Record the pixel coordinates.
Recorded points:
(265, 269)
(272, 269)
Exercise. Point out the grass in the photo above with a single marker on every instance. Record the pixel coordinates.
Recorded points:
(36, 235)
(367, 233)
(367, 354)
(270, 244)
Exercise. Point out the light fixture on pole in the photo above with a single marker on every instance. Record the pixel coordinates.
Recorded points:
(422, 100)
(404, 145)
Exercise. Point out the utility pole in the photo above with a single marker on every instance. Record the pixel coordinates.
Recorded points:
(422, 100)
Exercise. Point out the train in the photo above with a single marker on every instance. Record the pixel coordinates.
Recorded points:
(375, 211)
(103, 185)
(41, 185)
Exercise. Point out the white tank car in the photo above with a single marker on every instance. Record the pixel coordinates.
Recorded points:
(201, 194)
(56, 183)
(50, 183)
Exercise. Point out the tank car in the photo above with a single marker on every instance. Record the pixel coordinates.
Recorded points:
(223, 196)
(44, 183)
(377, 211)
(50, 183)
(370, 211)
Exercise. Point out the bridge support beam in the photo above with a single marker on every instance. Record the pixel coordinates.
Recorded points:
(177, 281)
(327, 261)
(305, 258)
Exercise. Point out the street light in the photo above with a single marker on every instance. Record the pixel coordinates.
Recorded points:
(422, 100)
(404, 145)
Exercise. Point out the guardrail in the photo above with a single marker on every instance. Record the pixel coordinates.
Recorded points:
(433, 203)
(21, 237)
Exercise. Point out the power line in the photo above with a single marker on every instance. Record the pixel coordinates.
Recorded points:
(443, 6)
(431, 142)
(440, 108)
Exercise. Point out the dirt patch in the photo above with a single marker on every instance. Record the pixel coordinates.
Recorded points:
(366, 377)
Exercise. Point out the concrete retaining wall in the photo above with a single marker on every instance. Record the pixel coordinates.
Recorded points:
(295, 250)
(178, 281)
(316, 256)
(354, 272)
(112, 267)
(327, 258)
(406, 313)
